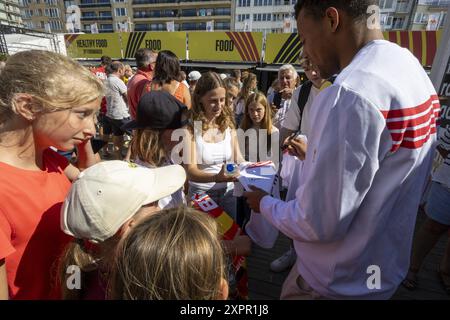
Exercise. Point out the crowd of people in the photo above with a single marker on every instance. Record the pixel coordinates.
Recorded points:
(354, 146)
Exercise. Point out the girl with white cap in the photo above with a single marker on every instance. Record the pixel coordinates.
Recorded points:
(106, 201)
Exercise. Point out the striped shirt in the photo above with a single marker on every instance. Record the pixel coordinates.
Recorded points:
(370, 150)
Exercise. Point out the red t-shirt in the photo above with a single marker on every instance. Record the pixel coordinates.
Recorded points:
(100, 72)
(135, 87)
(31, 239)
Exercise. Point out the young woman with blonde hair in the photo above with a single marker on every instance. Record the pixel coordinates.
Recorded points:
(174, 254)
(214, 143)
(257, 116)
(46, 100)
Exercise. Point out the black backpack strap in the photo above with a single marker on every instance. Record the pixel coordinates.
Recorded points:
(303, 96)
(332, 78)
(277, 100)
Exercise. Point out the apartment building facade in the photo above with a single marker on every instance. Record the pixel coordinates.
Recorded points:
(396, 14)
(430, 15)
(43, 15)
(413, 14)
(10, 13)
(152, 15)
(267, 16)
(190, 15)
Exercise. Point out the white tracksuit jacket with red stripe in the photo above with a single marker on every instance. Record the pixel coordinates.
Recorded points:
(370, 152)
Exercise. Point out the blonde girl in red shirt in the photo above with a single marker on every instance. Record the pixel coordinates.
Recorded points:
(46, 100)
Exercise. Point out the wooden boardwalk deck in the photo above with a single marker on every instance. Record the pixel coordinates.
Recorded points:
(266, 285)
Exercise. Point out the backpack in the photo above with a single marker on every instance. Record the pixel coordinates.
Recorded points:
(304, 95)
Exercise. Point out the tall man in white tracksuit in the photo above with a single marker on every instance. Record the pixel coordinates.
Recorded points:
(369, 155)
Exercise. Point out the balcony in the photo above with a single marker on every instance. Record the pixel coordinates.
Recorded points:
(439, 4)
(94, 4)
(203, 18)
(96, 18)
(153, 27)
(403, 7)
(154, 2)
(204, 3)
(154, 14)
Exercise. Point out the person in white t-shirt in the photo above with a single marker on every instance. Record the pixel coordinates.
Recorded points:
(370, 151)
(437, 209)
(117, 113)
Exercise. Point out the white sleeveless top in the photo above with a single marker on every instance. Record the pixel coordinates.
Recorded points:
(210, 158)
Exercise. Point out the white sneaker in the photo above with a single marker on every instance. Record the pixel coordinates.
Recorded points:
(284, 262)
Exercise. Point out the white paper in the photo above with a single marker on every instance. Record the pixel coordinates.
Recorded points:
(260, 176)
(261, 231)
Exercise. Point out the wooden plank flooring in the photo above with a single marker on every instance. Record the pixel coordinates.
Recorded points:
(266, 285)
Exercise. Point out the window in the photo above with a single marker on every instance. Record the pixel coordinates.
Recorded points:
(222, 25)
(421, 18)
(188, 12)
(51, 12)
(397, 23)
(443, 20)
(222, 11)
(121, 12)
(55, 25)
(387, 4)
(386, 20)
(105, 14)
(68, 3)
(106, 27)
(88, 14)
(241, 3)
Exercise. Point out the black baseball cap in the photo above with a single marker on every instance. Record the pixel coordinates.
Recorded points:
(158, 110)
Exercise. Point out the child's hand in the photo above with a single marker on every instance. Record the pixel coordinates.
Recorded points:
(241, 245)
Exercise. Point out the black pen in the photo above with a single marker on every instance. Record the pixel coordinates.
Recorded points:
(292, 136)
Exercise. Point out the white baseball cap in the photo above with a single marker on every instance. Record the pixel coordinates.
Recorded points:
(194, 75)
(109, 193)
